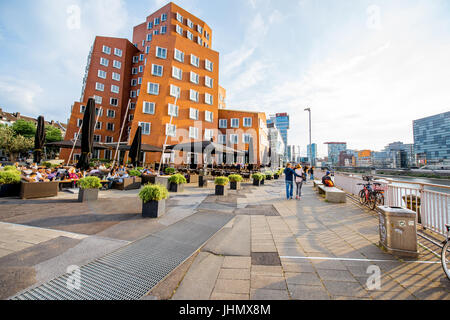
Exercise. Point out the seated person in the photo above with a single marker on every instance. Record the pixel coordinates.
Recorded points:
(51, 175)
(326, 180)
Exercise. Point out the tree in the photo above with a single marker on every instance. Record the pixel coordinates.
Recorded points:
(52, 134)
(14, 144)
(24, 128)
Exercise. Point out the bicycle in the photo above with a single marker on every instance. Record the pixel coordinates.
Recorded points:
(445, 255)
(372, 197)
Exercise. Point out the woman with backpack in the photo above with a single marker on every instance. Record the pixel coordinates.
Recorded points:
(299, 180)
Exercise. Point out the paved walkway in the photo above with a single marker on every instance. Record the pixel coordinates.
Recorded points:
(311, 250)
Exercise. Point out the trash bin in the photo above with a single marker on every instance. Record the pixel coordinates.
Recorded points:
(398, 231)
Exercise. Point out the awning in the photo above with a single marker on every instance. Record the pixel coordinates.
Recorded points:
(123, 146)
(205, 147)
(68, 144)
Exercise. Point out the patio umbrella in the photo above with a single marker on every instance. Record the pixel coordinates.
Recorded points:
(39, 139)
(87, 135)
(135, 150)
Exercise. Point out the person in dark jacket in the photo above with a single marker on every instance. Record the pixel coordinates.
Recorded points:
(290, 174)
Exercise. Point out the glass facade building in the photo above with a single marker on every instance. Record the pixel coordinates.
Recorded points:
(334, 149)
(312, 155)
(432, 137)
(281, 121)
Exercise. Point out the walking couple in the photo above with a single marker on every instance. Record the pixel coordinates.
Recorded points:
(299, 176)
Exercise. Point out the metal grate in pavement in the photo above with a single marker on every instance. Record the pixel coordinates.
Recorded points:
(132, 271)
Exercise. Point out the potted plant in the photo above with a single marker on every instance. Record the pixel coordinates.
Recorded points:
(221, 183)
(177, 182)
(153, 198)
(9, 183)
(235, 181)
(258, 179)
(134, 173)
(269, 175)
(169, 171)
(89, 188)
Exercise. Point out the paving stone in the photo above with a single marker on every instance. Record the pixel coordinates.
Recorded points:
(237, 263)
(304, 278)
(303, 292)
(265, 259)
(268, 294)
(347, 289)
(392, 295)
(235, 274)
(297, 267)
(232, 286)
(427, 293)
(270, 271)
(335, 275)
(228, 296)
(265, 282)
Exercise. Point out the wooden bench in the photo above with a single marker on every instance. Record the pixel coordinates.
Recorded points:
(332, 194)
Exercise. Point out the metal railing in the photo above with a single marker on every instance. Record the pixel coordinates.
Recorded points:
(432, 206)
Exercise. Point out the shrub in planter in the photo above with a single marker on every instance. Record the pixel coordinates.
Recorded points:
(235, 181)
(89, 188)
(258, 179)
(9, 183)
(176, 183)
(269, 175)
(10, 168)
(221, 183)
(153, 198)
(169, 171)
(134, 173)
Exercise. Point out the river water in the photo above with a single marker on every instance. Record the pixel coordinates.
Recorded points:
(443, 182)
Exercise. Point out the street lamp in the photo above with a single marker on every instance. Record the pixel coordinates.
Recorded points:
(310, 140)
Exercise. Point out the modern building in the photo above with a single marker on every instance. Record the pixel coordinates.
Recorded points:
(334, 149)
(312, 153)
(346, 159)
(282, 123)
(392, 148)
(237, 129)
(432, 137)
(277, 147)
(222, 98)
(166, 81)
(364, 159)
(293, 153)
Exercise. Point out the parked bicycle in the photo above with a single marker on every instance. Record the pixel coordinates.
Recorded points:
(446, 254)
(372, 197)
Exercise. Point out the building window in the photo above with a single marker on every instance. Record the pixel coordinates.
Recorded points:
(247, 122)
(179, 17)
(135, 59)
(161, 53)
(194, 77)
(199, 29)
(97, 138)
(209, 134)
(179, 55)
(114, 102)
(98, 126)
(99, 86)
(171, 130)
(132, 94)
(208, 82)
(150, 25)
(223, 123)
(139, 80)
(130, 117)
(195, 61)
(209, 116)
(209, 65)
(114, 89)
(133, 82)
(146, 127)
(153, 88)
(163, 29)
(246, 138)
(98, 111)
(193, 114)
(164, 17)
(179, 29)
(155, 32)
(147, 49)
(172, 110)
(234, 138)
(117, 64)
(109, 139)
(106, 50)
(175, 91)
(111, 114)
(104, 62)
(134, 71)
(157, 21)
(149, 37)
(102, 74)
(141, 69)
(208, 99)
(98, 100)
(118, 52)
(193, 133)
(177, 73)
(110, 126)
(234, 123)
(199, 41)
(82, 109)
(116, 76)
(189, 35)
(190, 24)
(79, 122)
(132, 105)
(157, 70)
(148, 107)
(222, 139)
(193, 95)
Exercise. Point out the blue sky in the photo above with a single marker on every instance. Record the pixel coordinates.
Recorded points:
(366, 68)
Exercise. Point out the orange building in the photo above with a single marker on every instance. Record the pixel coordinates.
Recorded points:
(238, 127)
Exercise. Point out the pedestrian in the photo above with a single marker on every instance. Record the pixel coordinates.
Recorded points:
(289, 174)
(299, 181)
(305, 173)
(311, 173)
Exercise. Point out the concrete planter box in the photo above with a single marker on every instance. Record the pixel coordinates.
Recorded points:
(257, 182)
(154, 209)
(262, 181)
(132, 183)
(173, 187)
(34, 190)
(85, 195)
(269, 178)
(276, 177)
(146, 179)
(193, 178)
(202, 180)
(221, 191)
(163, 180)
(235, 185)
(9, 190)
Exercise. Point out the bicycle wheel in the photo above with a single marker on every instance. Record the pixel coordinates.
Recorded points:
(362, 197)
(377, 199)
(446, 259)
(372, 203)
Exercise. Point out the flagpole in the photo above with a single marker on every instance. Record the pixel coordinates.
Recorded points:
(121, 132)
(165, 142)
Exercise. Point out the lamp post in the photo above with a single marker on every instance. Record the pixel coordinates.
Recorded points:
(310, 140)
